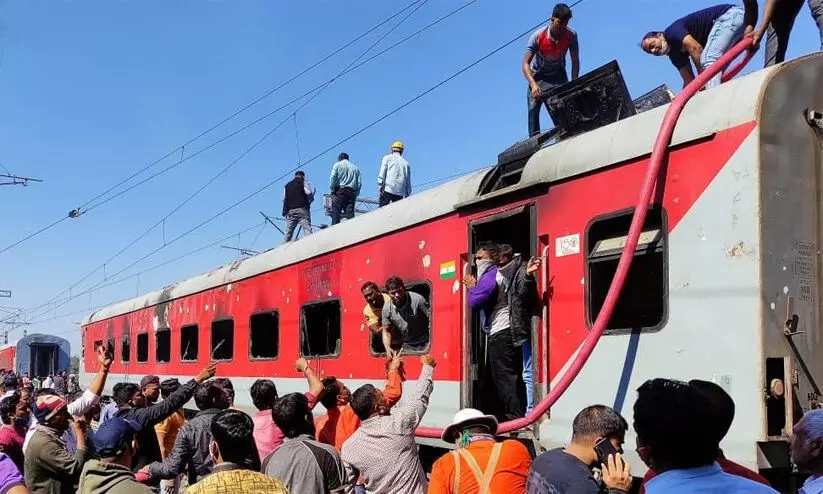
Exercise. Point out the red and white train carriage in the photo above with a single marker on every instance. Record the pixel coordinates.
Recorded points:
(728, 254)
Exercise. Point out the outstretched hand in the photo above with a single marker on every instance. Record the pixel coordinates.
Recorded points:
(301, 365)
(206, 373)
(104, 357)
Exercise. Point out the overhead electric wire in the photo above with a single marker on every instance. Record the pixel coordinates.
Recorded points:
(344, 140)
(238, 112)
(417, 7)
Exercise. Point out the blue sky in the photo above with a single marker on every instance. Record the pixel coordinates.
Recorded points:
(92, 91)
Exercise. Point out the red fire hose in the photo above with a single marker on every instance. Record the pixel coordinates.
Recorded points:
(661, 145)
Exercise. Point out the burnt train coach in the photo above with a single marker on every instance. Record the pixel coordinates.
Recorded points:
(37, 355)
(723, 286)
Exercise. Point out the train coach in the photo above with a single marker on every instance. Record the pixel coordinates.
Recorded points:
(37, 355)
(724, 284)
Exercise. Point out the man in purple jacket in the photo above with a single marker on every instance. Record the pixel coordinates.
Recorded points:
(487, 294)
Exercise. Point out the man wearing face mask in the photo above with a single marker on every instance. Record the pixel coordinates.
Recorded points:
(116, 441)
(569, 470)
(234, 453)
(15, 413)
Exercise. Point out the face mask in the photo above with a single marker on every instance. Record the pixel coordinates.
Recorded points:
(483, 265)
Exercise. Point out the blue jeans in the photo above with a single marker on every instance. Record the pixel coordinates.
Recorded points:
(359, 489)
(527, 376)
(548, 83)
(726, 32)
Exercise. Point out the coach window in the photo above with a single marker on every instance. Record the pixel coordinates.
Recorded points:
(142, 347)
(423, 288)
(264, 339)
(643, 303)
(222, 339)
(97, 344)
(189, 342)
(320, 329)
(162, 340)
(125, 348)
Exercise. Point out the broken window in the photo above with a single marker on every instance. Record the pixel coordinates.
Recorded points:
(320, 329)
(143, 347)
(264, 335)
(222, 339)
(422, 288)
(189, 342)
(642, 304)
(125, 348)
(162, 339)
(97, 344)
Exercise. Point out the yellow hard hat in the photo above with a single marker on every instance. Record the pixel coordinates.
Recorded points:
(398, 145)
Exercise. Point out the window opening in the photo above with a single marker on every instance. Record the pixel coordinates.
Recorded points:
(143, 347)
(644, 300)
(320, 329)
(264, 335)
(222, 339)
(422, 288)
(189, 342)
(162, 340)
(125, 348)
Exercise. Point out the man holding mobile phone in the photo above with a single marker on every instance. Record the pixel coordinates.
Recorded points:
(598, 432)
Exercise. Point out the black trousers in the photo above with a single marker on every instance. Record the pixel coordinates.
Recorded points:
(343, 204)
(506, 362)
(386, 198)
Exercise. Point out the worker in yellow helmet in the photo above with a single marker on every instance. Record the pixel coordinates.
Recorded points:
(394, 178)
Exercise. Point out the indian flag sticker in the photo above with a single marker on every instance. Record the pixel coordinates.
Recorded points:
(448, 270)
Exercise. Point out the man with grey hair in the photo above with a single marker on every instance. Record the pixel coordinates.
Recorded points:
(807, 450)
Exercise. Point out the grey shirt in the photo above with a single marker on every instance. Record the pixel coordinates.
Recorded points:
(306, 465)
(411, 320)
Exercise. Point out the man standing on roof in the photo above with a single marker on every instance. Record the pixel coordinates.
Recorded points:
(297, 197)
(345, 184)
(394, 178)
(778, 20)
(702, 38)
(544, 64)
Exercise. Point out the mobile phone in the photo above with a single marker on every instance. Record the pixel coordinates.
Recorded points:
(604, 448)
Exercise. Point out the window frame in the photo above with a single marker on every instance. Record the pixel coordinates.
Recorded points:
(277, 355)
(301, 329)
(424, 281)
(157, 345)
(125, 337)
(663, 241)
(148, 344)
(211, 338)
(196, 327)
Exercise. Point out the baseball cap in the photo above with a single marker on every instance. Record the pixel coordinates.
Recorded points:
(150, 379)
(114, 435)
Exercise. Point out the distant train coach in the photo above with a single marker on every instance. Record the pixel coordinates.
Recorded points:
(37, 354)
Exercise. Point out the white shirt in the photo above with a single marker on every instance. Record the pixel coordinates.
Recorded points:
(395, 175)
(49, 382)
(500, 315)
(80, 406)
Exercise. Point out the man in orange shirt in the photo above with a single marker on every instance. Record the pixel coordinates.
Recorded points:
(340, 421)
(479, 465)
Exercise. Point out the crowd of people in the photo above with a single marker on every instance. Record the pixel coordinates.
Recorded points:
(364, 442)
(345, 185)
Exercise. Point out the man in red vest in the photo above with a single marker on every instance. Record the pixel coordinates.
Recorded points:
(544, 64)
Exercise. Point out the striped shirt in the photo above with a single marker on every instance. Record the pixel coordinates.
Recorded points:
(383, 449)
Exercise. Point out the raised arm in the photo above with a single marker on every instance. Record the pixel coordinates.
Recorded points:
(91, 396)
(412, 413)
(394, 382)
(150, 416)
(315, 384)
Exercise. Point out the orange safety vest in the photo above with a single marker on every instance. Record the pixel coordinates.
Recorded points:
(484, 478)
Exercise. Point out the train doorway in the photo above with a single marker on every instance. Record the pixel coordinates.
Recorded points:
(43, 359)
(518, 228)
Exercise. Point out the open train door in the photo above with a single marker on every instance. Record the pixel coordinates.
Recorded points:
(518, 228)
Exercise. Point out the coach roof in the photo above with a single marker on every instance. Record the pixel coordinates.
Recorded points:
(731, 104)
